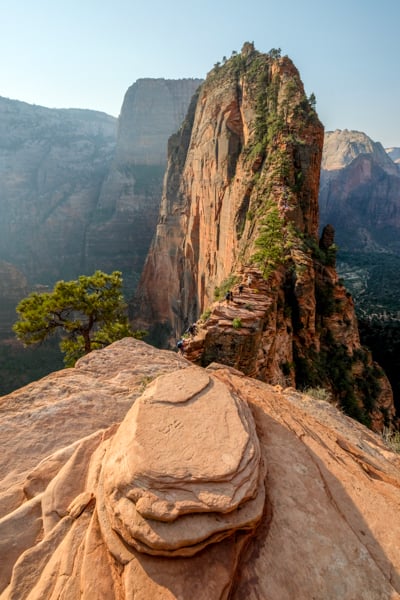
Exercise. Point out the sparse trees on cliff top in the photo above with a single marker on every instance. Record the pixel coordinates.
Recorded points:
(89, 312)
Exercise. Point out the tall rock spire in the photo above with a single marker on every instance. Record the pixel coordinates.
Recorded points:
(240, 198)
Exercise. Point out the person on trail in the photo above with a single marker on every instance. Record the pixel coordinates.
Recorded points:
(228, 296)
(240, 289)
(180, 344)
(249, 280)
(192, 330)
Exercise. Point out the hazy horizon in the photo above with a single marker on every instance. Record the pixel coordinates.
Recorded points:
(86, 55)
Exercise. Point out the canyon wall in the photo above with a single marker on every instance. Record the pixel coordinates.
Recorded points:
(52, 166)
(79, 192)
(360, 193)
(125, 217)
(239, 204)
(360, 196)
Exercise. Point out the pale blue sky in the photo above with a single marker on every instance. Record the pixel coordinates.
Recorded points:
(86, 53)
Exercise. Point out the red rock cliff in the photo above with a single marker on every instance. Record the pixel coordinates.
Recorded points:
(240, 198)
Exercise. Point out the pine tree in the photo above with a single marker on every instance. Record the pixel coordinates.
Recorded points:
(89, 312)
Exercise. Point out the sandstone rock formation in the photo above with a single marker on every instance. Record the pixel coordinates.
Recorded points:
(240, 199)
(213, 485)
(341, 147)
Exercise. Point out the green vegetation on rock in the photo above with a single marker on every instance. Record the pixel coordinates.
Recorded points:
(225, 286)
(269, 243)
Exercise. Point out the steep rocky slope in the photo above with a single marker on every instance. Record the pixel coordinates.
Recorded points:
(118, 481)
(240, 200)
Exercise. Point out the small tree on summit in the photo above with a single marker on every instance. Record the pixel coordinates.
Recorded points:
(90, 313)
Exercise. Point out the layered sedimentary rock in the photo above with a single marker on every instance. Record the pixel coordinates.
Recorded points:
(213, 200)
(169, 487)
(296, 499)
(240, 199)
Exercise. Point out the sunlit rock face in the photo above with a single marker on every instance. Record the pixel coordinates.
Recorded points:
(137, 475)
(221, 171)
(240, 200)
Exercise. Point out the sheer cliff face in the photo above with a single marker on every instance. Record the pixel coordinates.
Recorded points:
(224, 165)
(240, 204)
(126, 214)
(75, 193)
(360, 192)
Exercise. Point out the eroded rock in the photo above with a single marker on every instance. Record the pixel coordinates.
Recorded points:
(183, 469)
(329, 523)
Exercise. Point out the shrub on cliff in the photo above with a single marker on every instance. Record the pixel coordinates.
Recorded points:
(89, 312)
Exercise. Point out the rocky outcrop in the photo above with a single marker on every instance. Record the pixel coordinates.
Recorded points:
(222, 169)
(240, 200)
(171, 489)
(199, 484)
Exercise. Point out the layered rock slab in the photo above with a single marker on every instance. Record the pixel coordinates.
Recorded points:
(330, 526)
(183, 469)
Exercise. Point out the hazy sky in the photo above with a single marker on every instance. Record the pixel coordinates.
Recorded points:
(86, 53)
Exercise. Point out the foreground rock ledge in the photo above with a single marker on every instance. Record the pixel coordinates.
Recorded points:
(183, 470)
(330, 521)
